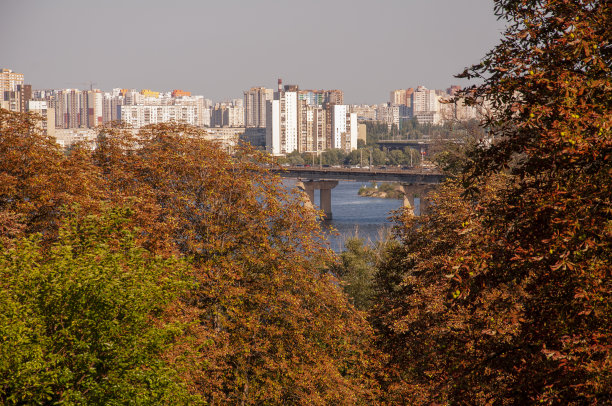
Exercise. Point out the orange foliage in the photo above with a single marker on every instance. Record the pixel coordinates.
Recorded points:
(266, 322)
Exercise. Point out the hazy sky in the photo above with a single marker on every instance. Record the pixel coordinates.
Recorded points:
(220, 48)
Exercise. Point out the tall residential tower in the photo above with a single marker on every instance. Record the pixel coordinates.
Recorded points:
(255, 101)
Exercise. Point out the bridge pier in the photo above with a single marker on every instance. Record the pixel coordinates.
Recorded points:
(415, 197)
(325, 187)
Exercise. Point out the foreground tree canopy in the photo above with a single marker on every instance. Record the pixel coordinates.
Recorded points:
(502, 294)
(259, 321)
(80, 323)
(155, 268)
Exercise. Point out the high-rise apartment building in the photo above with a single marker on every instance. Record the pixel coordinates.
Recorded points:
(289, 119)
(392, 114)
(203, 113)
(401, 97)
(69, 107)
(14, 94)
(282, 130)
(255, 100)
(424, 100)
(309, 121)
(364, 112)
(273, 144)
(93, 106)
(227, 114)
(425, 106)
(142, 115)
(16, 100)
(313, 129)
(9, 80)
(47, 124)
(321, 97)
(344, 128)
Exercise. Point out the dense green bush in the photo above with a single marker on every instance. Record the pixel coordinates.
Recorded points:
(82, 323)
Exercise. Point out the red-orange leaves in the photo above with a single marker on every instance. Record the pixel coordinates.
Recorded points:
(533, 325)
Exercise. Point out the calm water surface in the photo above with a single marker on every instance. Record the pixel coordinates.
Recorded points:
(352, 214)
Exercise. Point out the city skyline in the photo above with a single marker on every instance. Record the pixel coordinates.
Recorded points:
(219, 50)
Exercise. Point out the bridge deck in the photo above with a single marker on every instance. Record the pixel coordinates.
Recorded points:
(412, 176)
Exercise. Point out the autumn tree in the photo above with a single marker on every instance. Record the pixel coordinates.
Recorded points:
(262, 320)
(502, 294)
(37, 179)
(267, 325)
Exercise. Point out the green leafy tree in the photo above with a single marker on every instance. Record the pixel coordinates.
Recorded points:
(82, 323)
(355, 157)
(357, 272)
(375, 131)
(295, 158)
(378, 157)
(397, 157)
(357, 268)
(333, 156)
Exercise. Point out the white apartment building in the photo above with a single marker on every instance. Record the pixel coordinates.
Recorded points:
(282, 130)
(295, 123)
(424, 100)
(235, 116)
(425, 106)
(203, 113)
(140, 116)
(289, 122)
(344, 128)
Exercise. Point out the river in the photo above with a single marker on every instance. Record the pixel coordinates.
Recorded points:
(366, 217)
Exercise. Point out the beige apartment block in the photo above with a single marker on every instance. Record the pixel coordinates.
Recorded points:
(255, 100)
(9, 80)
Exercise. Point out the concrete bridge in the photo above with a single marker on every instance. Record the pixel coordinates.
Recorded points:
(414, 183)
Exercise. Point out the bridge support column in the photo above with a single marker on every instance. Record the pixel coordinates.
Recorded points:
(310, 193)
(325, 187)
(307, 193)
(407, 205)
(325, 203)
(415, 197)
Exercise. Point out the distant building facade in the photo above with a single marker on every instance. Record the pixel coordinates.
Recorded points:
(309, 121)
(142, 115)
(401, 97)
(9, 80)
(227, 114)
(255, 100)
